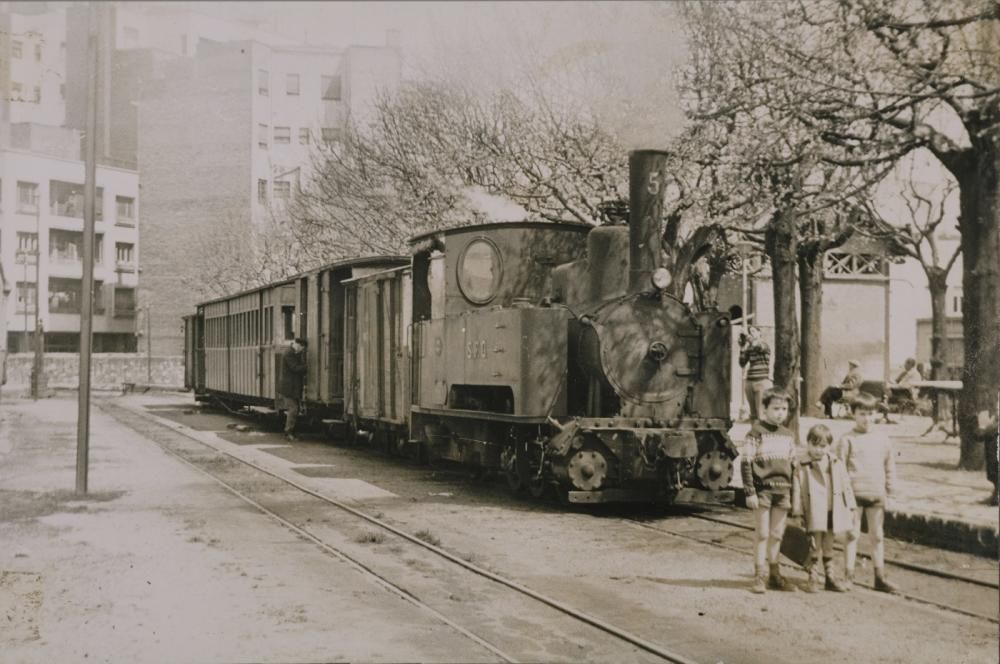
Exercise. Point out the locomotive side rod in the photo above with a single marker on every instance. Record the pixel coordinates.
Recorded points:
(582, 616)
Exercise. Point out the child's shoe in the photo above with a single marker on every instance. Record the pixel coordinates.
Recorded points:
(882, 584)
(813, 585)
(777, 582)
(848, 581)
(758, 584)
(832, 583)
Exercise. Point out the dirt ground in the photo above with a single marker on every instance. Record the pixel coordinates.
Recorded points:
(160, 564)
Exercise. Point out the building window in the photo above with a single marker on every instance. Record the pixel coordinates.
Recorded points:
(283, 135)
(331, 134)
(262, 192)
(62, 91)
(15, 49)
(125, 302)
(126, 209)
(330, 86)
(262, 136)
(291, 84)
(64, 296)
(956, 305)
(282, 190)
(263, 88)
(67, 246)
(124, 253)
(303, 136)
(38, 94)
(99, 307)
(27, 297)
(27, 197)
(38, 52)
(27, 243)
(15, 91)
(66, 200)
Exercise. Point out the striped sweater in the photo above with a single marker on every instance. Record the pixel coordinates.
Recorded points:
(758, 356)
(870, 462)
(768, 459)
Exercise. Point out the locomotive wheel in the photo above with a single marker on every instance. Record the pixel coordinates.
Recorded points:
(537, 487)
(508, 462)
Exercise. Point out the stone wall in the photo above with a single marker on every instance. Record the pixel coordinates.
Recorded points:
(108, 370)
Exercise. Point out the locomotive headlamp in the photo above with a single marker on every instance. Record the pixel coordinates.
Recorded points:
(661, 278)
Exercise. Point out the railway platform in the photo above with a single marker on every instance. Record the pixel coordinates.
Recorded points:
(159, 564)
(935, 503)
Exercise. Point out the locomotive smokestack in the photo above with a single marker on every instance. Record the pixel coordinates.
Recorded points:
(647, 171)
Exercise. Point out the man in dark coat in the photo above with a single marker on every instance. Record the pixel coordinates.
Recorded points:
(293, 371)
(847, 391)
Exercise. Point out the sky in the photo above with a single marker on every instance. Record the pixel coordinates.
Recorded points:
(618, 58)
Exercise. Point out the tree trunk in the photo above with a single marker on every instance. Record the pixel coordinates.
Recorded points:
(937, 283)
(811, 302)
(781, 245)
(979, 223)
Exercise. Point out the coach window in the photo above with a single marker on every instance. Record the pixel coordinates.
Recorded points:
(288, 320)
(480, 271)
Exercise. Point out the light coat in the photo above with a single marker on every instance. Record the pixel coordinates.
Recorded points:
(809, 495)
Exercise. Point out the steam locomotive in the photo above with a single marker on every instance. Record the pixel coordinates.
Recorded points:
(554, 353)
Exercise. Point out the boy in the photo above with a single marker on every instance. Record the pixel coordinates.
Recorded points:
(872, 468)
(822, 496)
(767, 480)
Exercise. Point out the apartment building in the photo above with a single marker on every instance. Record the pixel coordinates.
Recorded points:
(233, 130)
(218, 117)
(41, 242)
(33, 66)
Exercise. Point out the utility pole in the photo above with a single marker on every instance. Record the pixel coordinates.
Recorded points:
(89, 216)
(37, 366)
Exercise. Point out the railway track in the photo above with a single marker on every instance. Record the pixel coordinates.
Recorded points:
(161, 433)
(967, 581)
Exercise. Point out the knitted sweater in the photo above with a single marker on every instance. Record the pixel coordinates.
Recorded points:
(758, 356)
(768, 458)
(870, 462)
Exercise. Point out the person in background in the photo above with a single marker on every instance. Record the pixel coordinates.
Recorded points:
(293, 371)
(767, 468)
(755, 352)
(846, 391)
(871, 466)
(908, 376)
(986, 429)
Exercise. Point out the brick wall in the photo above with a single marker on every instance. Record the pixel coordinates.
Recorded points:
(109, 370)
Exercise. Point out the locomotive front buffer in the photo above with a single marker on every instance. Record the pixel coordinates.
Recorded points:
(621, 460)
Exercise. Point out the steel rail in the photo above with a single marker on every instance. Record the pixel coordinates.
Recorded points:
(593, 621)
(350, 560)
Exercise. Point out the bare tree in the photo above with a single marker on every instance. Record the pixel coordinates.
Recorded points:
(413, 168)
(876, 81)
(918, 238)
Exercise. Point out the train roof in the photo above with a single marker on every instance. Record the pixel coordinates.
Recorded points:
(361, 261)
(451, 230)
